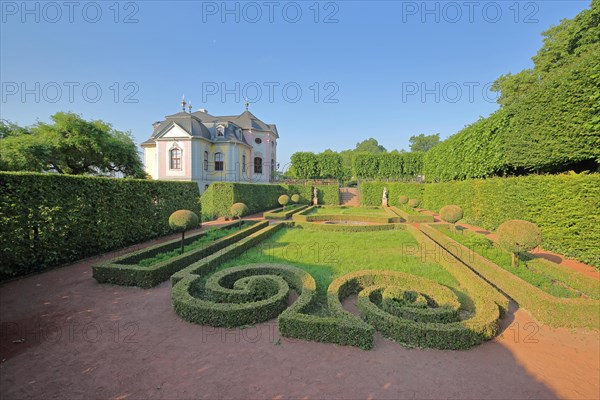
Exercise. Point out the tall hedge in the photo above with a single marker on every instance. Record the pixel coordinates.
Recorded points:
(220, 196)
(564, 206)
(49, 219)
(394, 165)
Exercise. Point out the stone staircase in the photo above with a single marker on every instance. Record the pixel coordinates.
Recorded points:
(349, 197)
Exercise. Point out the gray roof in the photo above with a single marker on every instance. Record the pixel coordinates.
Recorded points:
(202, 124)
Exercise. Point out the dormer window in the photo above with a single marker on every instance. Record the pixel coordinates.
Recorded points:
(220, 131)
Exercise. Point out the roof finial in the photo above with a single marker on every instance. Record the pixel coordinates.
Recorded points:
(183, 103)
(190, 106)
(247, 104)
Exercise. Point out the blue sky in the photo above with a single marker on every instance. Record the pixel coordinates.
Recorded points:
(330, 74)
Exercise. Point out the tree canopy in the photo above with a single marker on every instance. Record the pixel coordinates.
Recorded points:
(69, 145)
(423, 142)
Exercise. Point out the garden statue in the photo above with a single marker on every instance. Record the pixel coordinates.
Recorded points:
(315, 197)
(384, 198)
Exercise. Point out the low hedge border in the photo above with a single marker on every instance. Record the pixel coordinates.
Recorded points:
(554, 311)
(410, 218)
(125, 271)
(341, 217)
(348, 228)
(370, 287)
(283, 214)
(303, 215)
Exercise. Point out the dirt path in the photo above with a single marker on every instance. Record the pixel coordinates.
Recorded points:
(86, 340)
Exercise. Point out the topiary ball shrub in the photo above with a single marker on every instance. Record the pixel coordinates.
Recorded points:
(183, 220)
(283, 200)
(451, 214)
(238, 210)
(414, 203)
(296, 198)
(518, 236)
(403, 199)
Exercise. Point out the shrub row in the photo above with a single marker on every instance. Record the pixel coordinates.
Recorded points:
(125, 271)
(349, 227)
(50, 219)
(565, 206)
(554, 311)
(411, 326)
(279, 214)
(410, 218)
(220, 196)
(301, 217)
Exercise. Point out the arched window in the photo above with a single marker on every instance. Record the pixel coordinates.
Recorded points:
(257, 165)
(243, 163)
(206, 160)
(175, 158)
(218, 161)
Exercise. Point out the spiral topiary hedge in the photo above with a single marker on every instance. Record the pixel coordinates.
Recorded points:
(412, 310)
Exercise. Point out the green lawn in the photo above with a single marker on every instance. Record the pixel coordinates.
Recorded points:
(327, 255)
(365, 211)
(212, 234)
(550, 277)
(408, 209)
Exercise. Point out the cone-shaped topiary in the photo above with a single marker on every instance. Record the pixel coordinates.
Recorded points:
(296, 198)
(518, 236)
(414, 203)
(183, 220)
(403, 199)
(238, 210)
(452, 214)
(283, 200)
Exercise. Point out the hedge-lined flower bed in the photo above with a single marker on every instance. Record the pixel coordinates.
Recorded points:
(348, 227)
(124, 270)
(281, 214)
(303, 217)
(409, 217)
(554, 311)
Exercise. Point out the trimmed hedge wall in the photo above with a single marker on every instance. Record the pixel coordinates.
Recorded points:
(554, 311)
(220, 196)
(564, 206)
(370, 192)
(125, 271)
(50, 219)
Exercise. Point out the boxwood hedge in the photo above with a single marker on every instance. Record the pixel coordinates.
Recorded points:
(554, 311)
(409, 309)
(219, 196)
(124, 270)
(50, 219)
(565, 206)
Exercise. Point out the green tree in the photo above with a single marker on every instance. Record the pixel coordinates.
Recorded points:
(69, 145)
(423, 142)
(369, 146)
